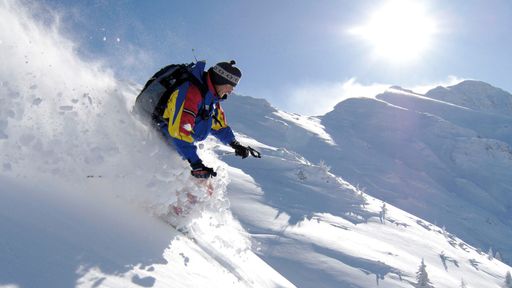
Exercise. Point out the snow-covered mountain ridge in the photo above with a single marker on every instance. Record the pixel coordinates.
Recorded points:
(476, 95)
(443, 161)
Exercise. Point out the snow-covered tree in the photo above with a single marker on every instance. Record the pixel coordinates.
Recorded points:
(422, 277)
(498, 256)
(490, 254)
(361, 195)
(382, 214)
(301, 175)
(508, 280)
(443, 259)
(324, 167)
(462, 283)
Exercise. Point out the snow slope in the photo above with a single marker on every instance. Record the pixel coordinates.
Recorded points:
(56, 238)
(319, 231)
(85, 192)
(446, 163)
(84, 184)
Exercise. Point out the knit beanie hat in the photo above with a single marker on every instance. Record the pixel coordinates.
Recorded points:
(225, 73)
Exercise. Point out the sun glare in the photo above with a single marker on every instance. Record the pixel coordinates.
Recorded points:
(399, 30)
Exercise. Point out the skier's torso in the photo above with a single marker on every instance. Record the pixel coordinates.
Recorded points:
(204, 121)
(188, 106)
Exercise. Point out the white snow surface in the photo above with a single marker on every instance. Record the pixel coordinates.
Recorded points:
(86, 190)
(309, 123)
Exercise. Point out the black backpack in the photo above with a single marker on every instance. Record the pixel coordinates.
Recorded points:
(152, 100)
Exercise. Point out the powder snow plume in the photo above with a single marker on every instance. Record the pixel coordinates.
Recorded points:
(83, 181)
(68, 121)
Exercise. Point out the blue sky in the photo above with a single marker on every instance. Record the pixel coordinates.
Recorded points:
(295, 53)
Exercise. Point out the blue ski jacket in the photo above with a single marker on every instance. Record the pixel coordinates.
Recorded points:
(191, 117)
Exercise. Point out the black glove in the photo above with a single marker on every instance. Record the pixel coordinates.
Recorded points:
(201, 171)
(240, 150)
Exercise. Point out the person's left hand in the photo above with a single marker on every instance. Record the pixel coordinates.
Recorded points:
(201, 171)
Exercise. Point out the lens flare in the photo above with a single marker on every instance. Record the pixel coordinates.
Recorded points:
(399, 30)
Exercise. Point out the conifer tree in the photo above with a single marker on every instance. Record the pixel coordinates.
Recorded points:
(445, 234)
(422, 277)
(490, 254)
(462, 283)
(301, 175)
(508, 280)
(382, 214)
(498, 256)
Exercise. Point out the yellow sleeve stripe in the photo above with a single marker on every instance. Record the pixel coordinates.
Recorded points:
(174, 126)
(222, 119)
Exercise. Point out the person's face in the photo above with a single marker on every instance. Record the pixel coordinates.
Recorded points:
(224, 90)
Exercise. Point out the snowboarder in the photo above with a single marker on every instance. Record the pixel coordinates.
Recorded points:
(191, 110)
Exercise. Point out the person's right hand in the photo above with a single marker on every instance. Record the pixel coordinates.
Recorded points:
(201, 171)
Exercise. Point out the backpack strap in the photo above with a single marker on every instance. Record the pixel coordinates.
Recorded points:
(172, 82)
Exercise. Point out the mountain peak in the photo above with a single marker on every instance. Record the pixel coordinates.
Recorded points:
(476, 95)
(473, 84)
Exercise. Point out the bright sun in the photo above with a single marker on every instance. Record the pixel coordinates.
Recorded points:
(399, 30)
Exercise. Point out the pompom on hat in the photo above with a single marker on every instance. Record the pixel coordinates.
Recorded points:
(225, 73)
